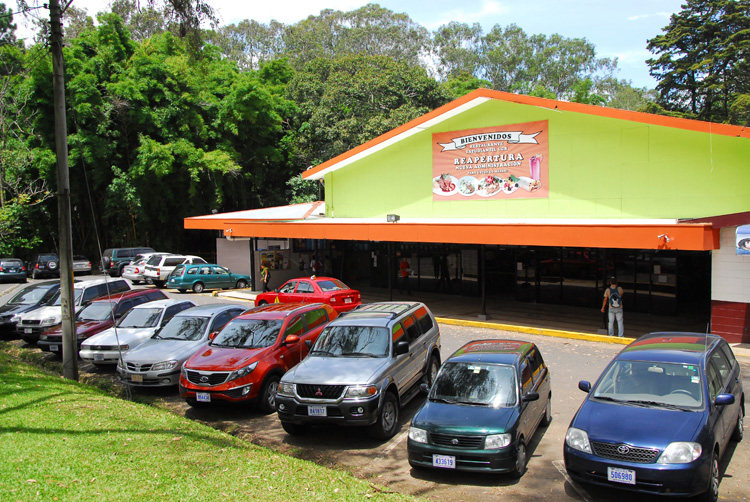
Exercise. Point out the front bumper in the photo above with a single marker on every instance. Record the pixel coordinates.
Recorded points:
(54, 345)
(470, 460)
(31, 333)
(239, 394)
(164, 378)
(342, 412)
(97, 356)
(683, 480)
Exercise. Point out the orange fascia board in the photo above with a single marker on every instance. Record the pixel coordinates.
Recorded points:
(692, 237)
(484, 94)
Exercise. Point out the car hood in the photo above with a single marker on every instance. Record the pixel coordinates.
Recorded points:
(156, 350)
(44, 312)
(84, 328)
(124, 335)
(337, 370)
(223, 358)
(461, 419)
(645, 427)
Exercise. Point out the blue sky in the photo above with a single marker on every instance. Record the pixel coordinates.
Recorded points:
(617, 28)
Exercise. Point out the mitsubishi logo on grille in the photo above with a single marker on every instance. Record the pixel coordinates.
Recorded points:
(204, 379)
(318, 392)
(454, 441)
(623, 450)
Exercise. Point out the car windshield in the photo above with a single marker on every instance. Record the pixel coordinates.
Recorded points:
(346, 341)
(332, 285)
(649, 383)
(140, 318)
(29, 296)
(248, 333)
(97, 311)
(478, 384)
(183, 328)
(55, 300)
(11, 263)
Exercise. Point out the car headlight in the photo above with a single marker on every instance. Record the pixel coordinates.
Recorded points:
(286, 388)
(245, 370)
(497, 441)
(680, 453)
(16, 318)
(578, 440)
(358, 391)
(417, 435)
(51, 320)
(164, 365)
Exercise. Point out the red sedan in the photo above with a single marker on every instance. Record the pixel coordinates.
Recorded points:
(246, 359)
(313, 289)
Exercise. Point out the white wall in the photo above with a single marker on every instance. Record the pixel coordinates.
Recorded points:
(730, 272)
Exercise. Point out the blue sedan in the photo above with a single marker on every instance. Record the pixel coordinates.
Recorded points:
(660, 417)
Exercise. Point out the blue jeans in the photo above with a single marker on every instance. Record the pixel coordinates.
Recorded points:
(616, 314)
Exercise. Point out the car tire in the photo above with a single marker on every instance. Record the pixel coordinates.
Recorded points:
(194, 403)
(135, 282)
(387, 423)
(712, 494)
(33, 274)
(295, 429)
(739, 428)
(520, 467)
(432, 371)
(241, 284)
(267, 396)
(158, 284)
(262, 302)
(547, 417)
(198, 287)
(182, 290)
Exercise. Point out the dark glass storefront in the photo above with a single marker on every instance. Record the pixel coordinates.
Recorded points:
(654, 281)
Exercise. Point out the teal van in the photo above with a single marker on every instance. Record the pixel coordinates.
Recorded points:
(202, 276)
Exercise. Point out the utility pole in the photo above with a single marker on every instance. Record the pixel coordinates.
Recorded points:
(69, 345)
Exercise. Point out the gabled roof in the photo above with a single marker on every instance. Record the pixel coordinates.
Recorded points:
(481, 96)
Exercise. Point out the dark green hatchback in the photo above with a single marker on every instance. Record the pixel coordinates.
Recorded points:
(483, 409)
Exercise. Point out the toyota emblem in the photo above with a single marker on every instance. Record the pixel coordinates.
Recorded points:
(204, 379)
(454, 441)
(318, 392)
(623, 450)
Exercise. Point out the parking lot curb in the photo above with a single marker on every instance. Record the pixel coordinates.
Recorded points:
(536, 331)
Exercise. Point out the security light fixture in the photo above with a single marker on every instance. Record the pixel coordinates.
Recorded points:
(393, 218)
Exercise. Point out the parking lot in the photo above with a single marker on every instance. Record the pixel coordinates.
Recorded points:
(386, 463)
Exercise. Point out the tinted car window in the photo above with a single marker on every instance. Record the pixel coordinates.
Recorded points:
(720, 360)
(729, 354)
(248, 334)
(295, 327)
(714, 381)
(305, 287)
(315, 318)
(171, 262)
(11, 263)
(526, 381)
(412, 329)
(221, 320)
(424, 319)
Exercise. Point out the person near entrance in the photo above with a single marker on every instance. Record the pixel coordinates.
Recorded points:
(445, 277)
(265, 276)
(405, 270)
(613, 300)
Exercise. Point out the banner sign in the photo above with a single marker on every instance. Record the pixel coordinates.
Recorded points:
(502, 162)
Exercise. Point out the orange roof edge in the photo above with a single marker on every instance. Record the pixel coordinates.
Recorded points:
(600, 111)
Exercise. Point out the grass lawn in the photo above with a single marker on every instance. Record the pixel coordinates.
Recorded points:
(64, 441)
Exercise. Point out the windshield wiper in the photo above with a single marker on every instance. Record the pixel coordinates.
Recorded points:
(321, 352)
(607, 398)
(442, 400)
(359, 354)
(657, 404)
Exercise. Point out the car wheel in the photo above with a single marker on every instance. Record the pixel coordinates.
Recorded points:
(198, 287)
(182, 290)
(712, 494)
(547, 417)
(241, 284)
(295, 429)
(520, 466)
(432, 371)
(33, 274)
(262, 302)
(158, 284)
(739, 428)
(387, 423)
(195, 404)
(134, 281)
(267, 402)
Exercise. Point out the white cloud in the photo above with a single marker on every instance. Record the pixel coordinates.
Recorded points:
(665, 15)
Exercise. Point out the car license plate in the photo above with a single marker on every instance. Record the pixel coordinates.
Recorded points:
(621, 475)
(28, 330)
(347, 300)
(203, 397)
(136, 378)
(54, 348)
(444, 461)
(98, 357)
(317, 411)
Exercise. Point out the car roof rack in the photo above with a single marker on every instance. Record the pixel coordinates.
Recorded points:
(391, 309)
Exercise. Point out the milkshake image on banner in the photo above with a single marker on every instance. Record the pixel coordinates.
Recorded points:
(535, 165)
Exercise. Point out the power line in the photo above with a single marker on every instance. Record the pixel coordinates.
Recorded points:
(24, 11)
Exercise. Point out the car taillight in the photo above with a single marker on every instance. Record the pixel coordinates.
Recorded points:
(36, 266)
(137, 270)
(333, 299)
(158, 272)
(1, 269)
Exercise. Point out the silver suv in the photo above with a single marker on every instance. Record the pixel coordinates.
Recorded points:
(364, 366)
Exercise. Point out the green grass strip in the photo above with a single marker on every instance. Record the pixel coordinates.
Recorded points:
(64, 441)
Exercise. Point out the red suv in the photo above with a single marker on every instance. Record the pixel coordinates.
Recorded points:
(99, 315)
(245, 361)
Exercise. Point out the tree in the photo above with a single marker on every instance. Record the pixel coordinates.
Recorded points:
(462, 83)
(249, 43)
(7, 28)
(349, 100)
(701, 59)
(458, 49)
(143, 22)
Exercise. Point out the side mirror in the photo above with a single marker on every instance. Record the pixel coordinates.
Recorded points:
(584, 386)
(401, 348)
(724, 399)
(291, 340)
(212, 335)
(531, 396)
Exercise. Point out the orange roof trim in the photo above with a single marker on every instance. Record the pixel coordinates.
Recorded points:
(484, 95)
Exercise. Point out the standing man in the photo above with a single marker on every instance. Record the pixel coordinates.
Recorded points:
(613, 298)
(405, 270)
(265, 276)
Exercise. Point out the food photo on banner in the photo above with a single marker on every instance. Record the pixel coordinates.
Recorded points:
(743, 239)
(500, 162)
